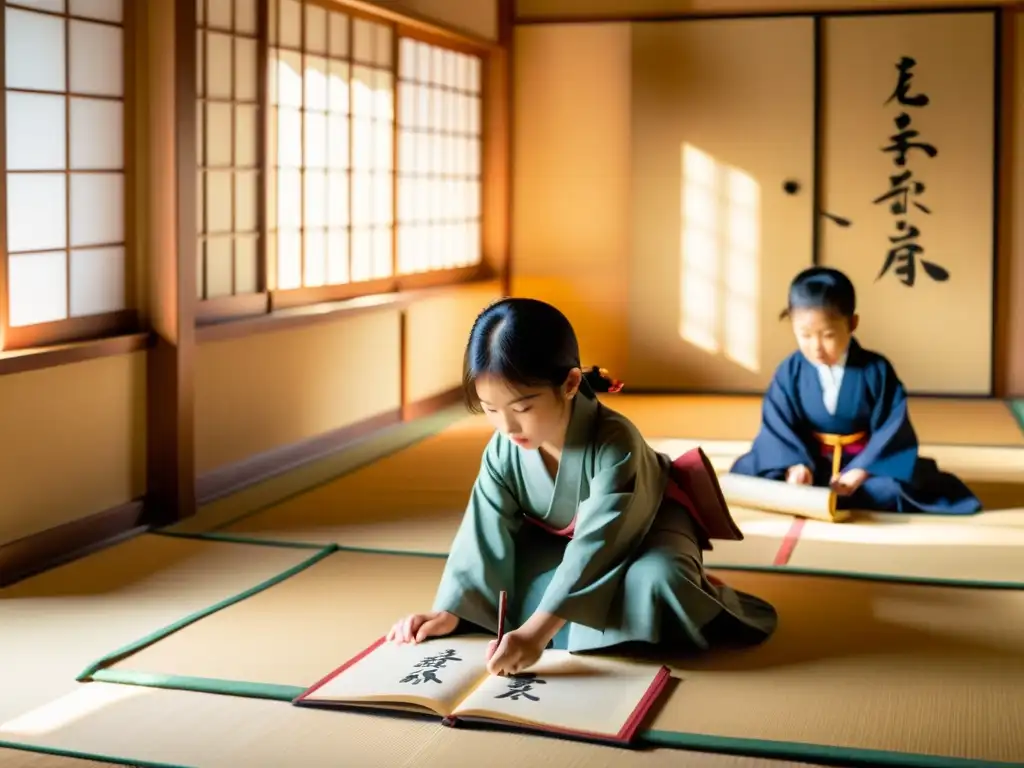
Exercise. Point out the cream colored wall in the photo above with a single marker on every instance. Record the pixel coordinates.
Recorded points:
(571, 215)
(272, 389)
(715, 238)
(73, 442)
(435, 338)
(257, 393)
(571, 188)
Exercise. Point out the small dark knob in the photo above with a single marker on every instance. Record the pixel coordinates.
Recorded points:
(791, 187)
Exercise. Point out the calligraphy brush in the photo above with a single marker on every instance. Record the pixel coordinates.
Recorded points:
(502, 607)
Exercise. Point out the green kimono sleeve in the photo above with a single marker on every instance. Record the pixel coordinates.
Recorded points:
(610, 524)
(482, 558)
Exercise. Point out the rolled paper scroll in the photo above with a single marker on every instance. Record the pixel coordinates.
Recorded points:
(808, 501)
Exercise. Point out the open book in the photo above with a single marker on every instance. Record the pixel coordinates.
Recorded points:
(586, 697)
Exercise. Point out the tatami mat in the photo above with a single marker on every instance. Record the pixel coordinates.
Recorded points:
(995, 474)
(894, 548)
(54, 624)
(973, 463)
(854, 663)
(867, 665)
(737, 417)
(335, 623)
(990, 518)
(331, 611)
(184, 728)
(413, 501)
(410, 500)
(280, 487)
(19, 758)
(419, 491)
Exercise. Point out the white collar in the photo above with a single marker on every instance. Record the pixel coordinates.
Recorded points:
(839, 364)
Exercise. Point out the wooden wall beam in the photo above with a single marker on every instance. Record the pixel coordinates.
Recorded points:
(170, 160)
(1009, 327)
(497, 154)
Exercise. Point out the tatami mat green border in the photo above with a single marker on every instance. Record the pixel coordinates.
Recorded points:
(892, 578)
(923, 581)
(670, 739)
(87, 756)
(1017, 409)
(236, 539)
(230, 538)
(240, 688)
(779, 750)
(818, 753)
(321, 551)
(151, 638)
(222, 513)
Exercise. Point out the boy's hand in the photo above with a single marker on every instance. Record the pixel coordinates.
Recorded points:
(848, 482)
(798, 474)
(417, 627)
(516, 652)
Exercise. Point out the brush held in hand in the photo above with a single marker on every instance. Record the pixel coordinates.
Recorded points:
(585, 697)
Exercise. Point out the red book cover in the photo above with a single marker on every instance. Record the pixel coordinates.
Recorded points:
(575, 696)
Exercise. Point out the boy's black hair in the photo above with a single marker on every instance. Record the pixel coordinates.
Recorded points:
(822, 288)
(528, 343)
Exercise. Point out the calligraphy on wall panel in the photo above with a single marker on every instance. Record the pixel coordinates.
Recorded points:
(722, 159)
(907, 157)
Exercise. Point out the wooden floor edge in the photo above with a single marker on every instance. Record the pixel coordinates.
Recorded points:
(250, 471)
(431, 405)
(235, 477)
(61, 544)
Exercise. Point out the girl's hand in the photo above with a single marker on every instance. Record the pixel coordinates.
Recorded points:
(848, 482)
(516, 652)
(799, 475)
(417, 627)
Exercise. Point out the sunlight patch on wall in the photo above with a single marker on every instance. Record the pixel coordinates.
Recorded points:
(720, 254)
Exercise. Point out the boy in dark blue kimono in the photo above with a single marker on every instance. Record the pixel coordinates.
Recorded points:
(835, 414)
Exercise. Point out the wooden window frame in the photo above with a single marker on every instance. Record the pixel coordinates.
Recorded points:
(269, 299)
(244, 302)
(89, 327)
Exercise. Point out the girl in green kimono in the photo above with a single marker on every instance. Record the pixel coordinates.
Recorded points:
(573, 514)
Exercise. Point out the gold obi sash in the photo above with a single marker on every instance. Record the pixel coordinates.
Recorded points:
(837, 443)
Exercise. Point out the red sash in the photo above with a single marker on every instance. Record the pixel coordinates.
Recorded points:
(566, 532)
(692, 483)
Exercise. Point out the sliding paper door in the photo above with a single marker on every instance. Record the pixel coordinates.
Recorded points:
(722, 140)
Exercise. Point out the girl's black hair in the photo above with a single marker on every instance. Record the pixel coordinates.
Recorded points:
(822, 288)
(527, 343)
